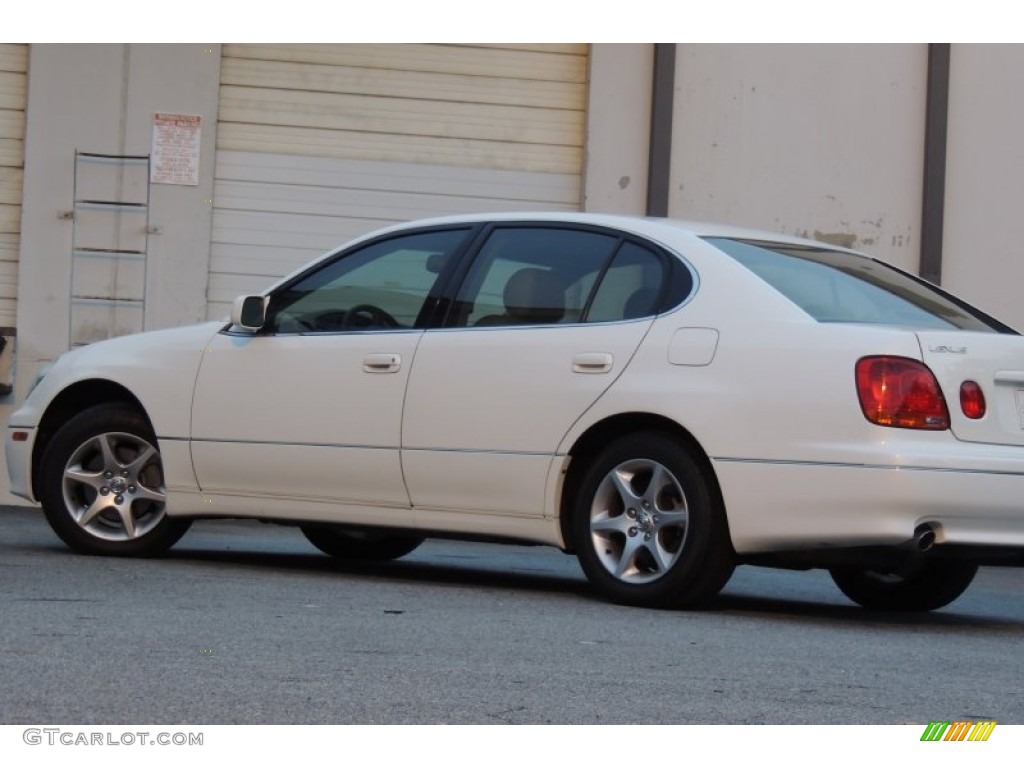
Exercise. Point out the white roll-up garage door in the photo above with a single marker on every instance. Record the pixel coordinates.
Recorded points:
(319, 143)
(13, 68)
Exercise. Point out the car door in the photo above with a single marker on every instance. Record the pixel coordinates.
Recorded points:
(309, 408)
(545, 321)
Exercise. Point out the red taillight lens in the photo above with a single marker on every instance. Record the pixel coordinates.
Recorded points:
(900, 392)
(972, 400)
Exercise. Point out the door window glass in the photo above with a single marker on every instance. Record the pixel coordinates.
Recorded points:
(533, 276)
(383, 285)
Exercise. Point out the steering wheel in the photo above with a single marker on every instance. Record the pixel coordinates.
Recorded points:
(368, 316)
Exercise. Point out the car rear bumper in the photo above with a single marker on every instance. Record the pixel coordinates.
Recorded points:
(777, 506)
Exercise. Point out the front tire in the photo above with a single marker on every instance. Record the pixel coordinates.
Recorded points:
(647, 526)
(102, 485)
(920, 586)
(351, 544)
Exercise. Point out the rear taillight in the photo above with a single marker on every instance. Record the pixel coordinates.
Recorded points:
(900, 392)
(972, 400)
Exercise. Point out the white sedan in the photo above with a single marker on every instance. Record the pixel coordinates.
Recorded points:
(664, 399)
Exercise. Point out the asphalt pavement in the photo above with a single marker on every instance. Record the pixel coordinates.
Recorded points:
(244, 622)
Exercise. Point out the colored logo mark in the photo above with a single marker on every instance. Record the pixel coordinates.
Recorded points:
(958, 730)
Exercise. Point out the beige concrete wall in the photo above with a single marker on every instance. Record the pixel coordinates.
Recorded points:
(825, 141)
(618, 128)
(982, 247)
(101, 98)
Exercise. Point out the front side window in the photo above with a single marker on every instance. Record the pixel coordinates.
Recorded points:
(380, 286)
(836, 287)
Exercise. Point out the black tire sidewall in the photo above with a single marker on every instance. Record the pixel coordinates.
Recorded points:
(85, 425)
(933, 584)
(344, 545)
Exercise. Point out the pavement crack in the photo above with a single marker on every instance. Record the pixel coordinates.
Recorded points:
(503, 715)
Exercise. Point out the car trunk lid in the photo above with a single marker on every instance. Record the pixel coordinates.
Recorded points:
(995, 361)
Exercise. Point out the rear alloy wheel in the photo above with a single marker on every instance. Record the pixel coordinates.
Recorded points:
(102, 485)
(647, 528)
(353, 544)
(921, 586)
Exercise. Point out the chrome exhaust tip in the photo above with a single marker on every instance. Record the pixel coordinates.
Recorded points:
(924, 537)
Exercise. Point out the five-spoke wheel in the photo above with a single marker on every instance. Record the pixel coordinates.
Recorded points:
(638, 521)
(102, 485)
(648, 528)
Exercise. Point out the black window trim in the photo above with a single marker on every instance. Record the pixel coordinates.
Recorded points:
(437, 312)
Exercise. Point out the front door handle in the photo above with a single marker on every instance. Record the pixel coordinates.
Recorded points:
(592, 362)
(382, 362)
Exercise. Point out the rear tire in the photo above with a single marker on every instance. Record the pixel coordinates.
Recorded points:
(921, 586)
(648, 528)
(102, 485)
(353, 544)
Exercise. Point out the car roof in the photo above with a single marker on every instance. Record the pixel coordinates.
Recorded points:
(648, 226)
(663, 231)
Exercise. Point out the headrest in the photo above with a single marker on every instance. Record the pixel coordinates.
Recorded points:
(535, 296)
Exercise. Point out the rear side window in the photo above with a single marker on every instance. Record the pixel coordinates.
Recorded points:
(836, 287)
(533, 276)
(630, 288)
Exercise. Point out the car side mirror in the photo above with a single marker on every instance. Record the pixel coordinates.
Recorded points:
(250, 312)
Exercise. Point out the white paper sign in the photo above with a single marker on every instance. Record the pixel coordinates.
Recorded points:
(175, 155)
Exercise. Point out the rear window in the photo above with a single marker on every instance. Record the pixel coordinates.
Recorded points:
(836, 287)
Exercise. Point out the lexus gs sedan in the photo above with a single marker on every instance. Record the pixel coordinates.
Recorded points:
(663, 399)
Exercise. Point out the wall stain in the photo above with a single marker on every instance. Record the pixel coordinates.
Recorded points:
(842, 239)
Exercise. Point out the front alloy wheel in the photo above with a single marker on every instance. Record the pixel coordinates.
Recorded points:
(647, 526)
(102, 485)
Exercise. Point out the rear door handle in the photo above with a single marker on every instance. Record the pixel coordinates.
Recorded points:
(592, 362)
(382, 362)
